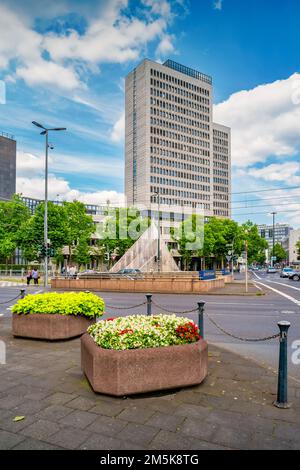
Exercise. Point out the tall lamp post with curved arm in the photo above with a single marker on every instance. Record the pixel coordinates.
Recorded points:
(45, 132)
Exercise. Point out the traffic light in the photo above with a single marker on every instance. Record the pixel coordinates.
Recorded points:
(51, 251)
(42, 250)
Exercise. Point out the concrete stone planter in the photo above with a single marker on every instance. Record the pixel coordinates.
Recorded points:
(49, 326)
(121, 373)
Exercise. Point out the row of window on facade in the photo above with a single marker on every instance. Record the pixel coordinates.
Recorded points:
(175, 146)
(182, 101)
(177, 192)
(177, 81)
(178, 156)
(179, 137)
(178, 109)
(179, 91)
(223, 150)
(180, 165)
(178, 127)
(179, 118)
(179, 174)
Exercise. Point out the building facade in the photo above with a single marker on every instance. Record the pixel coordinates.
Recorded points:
(172, 146)
(8, 148)
(289, 243)
(281, 232)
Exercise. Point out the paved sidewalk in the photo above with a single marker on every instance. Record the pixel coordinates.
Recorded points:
(232, 409)
(238, 288)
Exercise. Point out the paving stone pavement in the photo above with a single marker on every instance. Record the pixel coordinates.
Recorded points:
(232, 409)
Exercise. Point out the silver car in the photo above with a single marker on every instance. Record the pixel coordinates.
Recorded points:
(286, 272)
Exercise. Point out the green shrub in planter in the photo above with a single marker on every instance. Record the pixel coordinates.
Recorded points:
(66, 303)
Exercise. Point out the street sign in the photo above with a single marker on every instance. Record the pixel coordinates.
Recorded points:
(228, 257)
(274, 258)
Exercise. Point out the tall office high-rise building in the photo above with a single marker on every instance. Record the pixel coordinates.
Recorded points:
(7, 166)
(172, 145)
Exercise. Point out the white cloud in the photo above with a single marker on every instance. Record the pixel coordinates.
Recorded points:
(113, 35)
(47, 73)
(218, 4)
(32, 165)
(118, 132)
(60, 189)
(265, 121)
(281, 172)
(165, 46)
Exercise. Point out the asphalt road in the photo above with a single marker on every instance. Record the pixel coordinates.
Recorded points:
(251, 317)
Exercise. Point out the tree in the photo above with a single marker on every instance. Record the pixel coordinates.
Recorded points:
(32, 235)
(256, 244)
(221, 236)
(80, 227)
(120, 230)
(298, 249)
(279, 253)
(14, 214)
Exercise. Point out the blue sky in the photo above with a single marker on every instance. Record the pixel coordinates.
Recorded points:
(63, 63)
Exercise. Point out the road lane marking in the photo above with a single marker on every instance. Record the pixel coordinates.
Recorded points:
(244, 304)
(259, 288)
(292, 299)
(256, 275)
(285, 285)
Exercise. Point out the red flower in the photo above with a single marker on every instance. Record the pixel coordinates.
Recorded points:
(110, 319)
(127, 330)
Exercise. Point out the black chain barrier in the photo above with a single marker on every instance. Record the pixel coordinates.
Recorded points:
(266, 338)
(174, 311)
(125, 308)
(11, 300)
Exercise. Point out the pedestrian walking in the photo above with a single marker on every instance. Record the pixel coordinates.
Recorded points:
(35, 276)
(73, 272)
(29, 276)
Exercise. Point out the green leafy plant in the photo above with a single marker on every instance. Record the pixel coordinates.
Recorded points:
(141, 331)
(66, 303)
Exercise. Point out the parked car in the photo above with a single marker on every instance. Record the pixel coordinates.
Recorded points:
(286, 272)
(129, 271)
(295, 276)
(271, 270)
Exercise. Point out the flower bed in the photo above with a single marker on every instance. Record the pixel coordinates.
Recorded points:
(138, 353)
(55, 316)
(140, 331)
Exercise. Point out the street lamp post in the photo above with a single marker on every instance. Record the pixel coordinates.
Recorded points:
(158, 226)
(272, 260)
(45, 132)
(246, 266)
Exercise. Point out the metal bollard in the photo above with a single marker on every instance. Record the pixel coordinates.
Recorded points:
(282, 390)
(87, 292)
(200, 318)
(149, 303)
(22, 295)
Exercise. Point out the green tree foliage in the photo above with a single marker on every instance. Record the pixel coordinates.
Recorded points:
(32, 237)
(219, 234)
(14, 215)
(80, 228)
(68, 225)
(120, 231)
(298, 249)
(256, 244)
(279, 252)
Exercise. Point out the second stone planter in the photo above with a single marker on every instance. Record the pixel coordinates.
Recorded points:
(49, 326)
